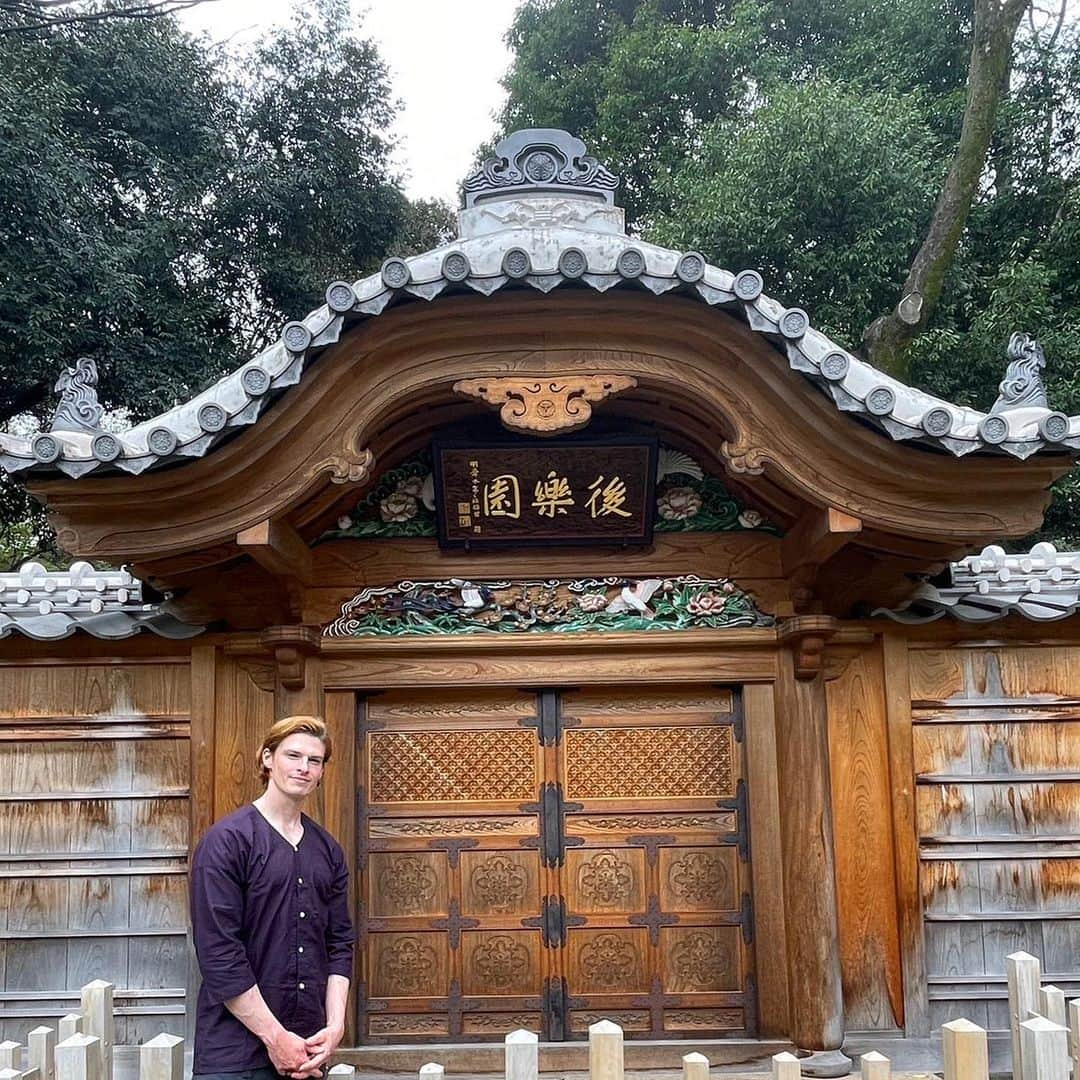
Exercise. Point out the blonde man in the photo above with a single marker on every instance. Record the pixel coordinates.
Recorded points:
(270, 915)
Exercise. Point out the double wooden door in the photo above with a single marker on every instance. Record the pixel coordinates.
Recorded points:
(545, 859)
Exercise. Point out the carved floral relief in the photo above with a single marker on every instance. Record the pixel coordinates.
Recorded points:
(605, 879)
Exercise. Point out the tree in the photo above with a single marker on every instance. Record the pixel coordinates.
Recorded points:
(34, 16)
(820, 144)
(165, 207)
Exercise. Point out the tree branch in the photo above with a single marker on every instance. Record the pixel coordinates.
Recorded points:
(888, 338)
(38, 15)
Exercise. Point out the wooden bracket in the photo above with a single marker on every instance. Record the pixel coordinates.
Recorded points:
(807, 636)
(546, 404)
(816, 538)
(291, 645)
(275, 545)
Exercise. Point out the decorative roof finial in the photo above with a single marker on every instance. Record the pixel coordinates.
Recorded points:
(540, 161)
(79, 409)
(1022, 386)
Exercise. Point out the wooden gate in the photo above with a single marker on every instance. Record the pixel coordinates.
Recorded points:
(542, 859)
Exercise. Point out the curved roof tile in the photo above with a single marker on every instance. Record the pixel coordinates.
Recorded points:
(542, 239)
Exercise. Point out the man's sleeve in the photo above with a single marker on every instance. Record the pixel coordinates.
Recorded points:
(217, 912)
(339, 931)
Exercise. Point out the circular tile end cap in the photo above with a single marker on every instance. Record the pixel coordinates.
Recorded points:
(45, 448)
(296, 337)
(748, 285)
(517, 263)
(630, 263)
(1055, 427)
(162, 441)
(395, 273)
(455, 266)
(340, 297)
(691, 267)
(794, 323)
(105, 447)
(212, 417)
(573, 263)
(880, 401)
(937, 421)
(835, 366)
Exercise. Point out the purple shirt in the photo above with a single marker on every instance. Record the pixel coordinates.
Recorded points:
(265, 912)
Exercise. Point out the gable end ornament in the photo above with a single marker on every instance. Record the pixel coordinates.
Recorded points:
(552, 405)
(1022, 386)
(79, 408)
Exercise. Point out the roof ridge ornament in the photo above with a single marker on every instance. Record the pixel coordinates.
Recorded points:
(79, 408)
(535, 161)
(1022, 386)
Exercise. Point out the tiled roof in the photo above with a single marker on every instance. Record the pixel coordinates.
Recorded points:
(50, 604)
(525, 228)
(1042, 585)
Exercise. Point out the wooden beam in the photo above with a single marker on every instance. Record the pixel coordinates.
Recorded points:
(817, 536)
(276, 546)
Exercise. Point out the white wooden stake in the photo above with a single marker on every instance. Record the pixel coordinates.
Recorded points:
(1074, 1035)
(1052, 1004)
(874, 1066)
(41, 1043)
(694, 1067)
(10, 1055)
(342, 1072)
(162, 1058)
(97, 1008)
(522, 1055)
(1024, 974)
(785, 1066)
(431, 1071)
(69, 1025)
(79, 1058)
(30, 1074)
(967, 1055)
(10, 1074)
(605, 1051)
(1044, 1050)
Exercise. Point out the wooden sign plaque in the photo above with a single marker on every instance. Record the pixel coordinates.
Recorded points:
(544, 492)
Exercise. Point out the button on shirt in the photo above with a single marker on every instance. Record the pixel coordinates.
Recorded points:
(268, 913)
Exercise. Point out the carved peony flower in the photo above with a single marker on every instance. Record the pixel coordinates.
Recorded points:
(344, 522)
(413, 486)
(678, 504)
(399, 506)
(706, 603)
(750, 519)
(592, 601)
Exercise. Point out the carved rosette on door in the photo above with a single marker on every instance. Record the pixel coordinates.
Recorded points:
(539, 859)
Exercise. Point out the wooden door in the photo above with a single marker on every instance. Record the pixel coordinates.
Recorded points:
(656, 877)
(539, 860)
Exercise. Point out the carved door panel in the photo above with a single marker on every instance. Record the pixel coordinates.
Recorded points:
(451, 877)
(656, 878)
(542, 859)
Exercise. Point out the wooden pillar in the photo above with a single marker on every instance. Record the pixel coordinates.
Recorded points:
(806, 839)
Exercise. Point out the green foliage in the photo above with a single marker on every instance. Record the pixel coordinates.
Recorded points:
(165, 206)
(810, 141)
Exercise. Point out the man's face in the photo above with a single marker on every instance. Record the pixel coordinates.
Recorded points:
(296, 766)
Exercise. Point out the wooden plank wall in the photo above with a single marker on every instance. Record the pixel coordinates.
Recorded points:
(863, 826)
(94, 780)
(996, 735)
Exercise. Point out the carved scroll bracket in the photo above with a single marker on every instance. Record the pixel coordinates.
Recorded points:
(291, 645)
(807, 636)
(350, 465)
(551, 405)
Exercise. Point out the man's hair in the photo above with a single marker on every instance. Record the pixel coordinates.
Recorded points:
(292, 725)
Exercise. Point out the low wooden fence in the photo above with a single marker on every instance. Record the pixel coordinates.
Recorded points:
(1045, 1039)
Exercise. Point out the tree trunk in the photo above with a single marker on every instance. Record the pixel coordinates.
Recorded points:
(888, 338)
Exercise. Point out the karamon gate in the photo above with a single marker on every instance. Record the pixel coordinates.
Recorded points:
(581, 545)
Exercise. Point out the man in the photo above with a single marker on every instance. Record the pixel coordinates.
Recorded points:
(270, 914)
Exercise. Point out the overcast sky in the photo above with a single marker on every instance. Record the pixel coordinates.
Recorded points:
(445, 58)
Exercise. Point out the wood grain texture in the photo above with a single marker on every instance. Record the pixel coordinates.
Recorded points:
(770, 932)
(897, 673)
(865, 872)
(806, 834)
